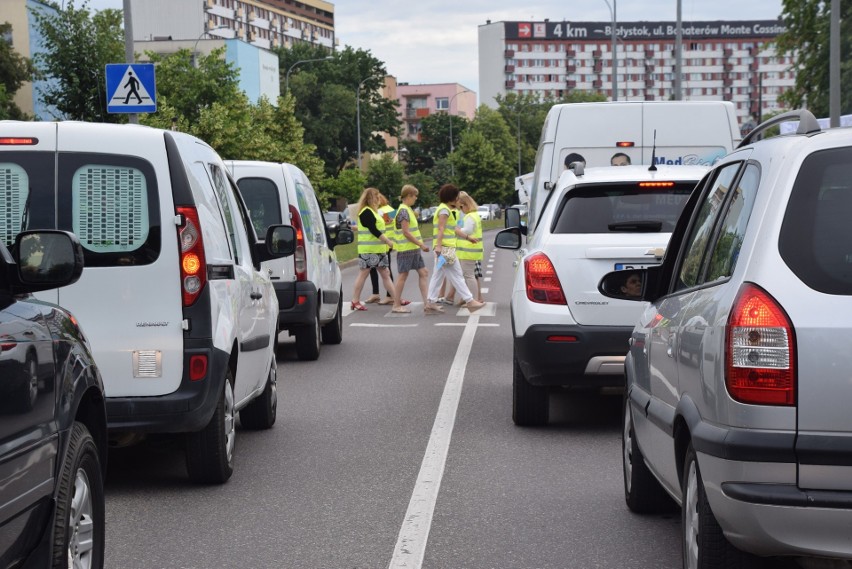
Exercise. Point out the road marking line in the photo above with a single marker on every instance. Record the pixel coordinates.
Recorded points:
(484, 291)
(483, 325)
(411, 544)
(368, 325)
(487, 279)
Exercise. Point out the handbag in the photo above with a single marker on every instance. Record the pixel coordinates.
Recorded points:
(449, 254)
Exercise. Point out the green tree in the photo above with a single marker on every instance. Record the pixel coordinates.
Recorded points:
(349, 184)
(387, 175)
(435, 133)
(481, 171)
(14, 71)
(428, 195)
(490, 123)
(807, 39)
(77, 47)
(328, 100)
(190, 87)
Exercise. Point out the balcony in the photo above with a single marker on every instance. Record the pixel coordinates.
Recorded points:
(509, 69)
(728, 52)
(509, 53)
(650, 98)
(598, 67)
(754, 65)
(728, 67)
(571, 53)
(649, 83)
(649, 67)
(754, 81)
(727, 81)
(753, 51)
(571, 83)
(727, 96)
(596, 54)
(416, 113)
(510, 84)
(597, 83)
(649, 54)
(571, 68)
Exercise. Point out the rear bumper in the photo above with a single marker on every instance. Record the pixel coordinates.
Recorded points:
(593, 359)
(291, 312)
(187, 409)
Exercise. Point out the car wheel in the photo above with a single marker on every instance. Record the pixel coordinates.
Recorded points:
(79, 521)
(332, 333)
(210, 451)
(642, 492)
(704, 544)
(260, 413)
(529, 402)
(308, 341)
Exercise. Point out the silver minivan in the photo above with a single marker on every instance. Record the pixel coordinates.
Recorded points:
(738, 374)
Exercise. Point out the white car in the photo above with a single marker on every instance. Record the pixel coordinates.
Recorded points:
(180, 316)
(485, 213)
(738, 375)
(309, 286)
(566, 334)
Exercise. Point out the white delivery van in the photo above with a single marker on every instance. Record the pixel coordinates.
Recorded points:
(180, 316)
(308, 285)
(690, 133)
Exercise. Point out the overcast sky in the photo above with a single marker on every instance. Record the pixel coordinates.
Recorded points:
(435, 41)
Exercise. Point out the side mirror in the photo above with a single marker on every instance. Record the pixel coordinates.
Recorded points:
(46, 260)
(345, 235)
(513, 217)
(508, 238)
(632, 284)
(280, 242)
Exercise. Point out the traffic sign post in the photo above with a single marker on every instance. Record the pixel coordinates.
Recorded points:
(131, 88)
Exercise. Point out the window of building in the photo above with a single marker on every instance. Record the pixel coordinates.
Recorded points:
(442, 103)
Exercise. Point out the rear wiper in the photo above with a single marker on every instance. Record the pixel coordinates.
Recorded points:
(637, 226)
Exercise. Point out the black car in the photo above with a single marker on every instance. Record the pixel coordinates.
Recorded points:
(52, 414)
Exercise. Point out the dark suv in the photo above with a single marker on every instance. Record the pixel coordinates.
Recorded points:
(52, 414)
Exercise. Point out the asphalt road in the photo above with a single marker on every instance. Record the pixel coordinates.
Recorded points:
(331, 484)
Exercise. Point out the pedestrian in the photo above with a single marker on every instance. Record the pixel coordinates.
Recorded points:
(573, 158)
(444, 236)
(470, 254)
(387, 212)
(619, 159)
(408, 245)
(373, 245)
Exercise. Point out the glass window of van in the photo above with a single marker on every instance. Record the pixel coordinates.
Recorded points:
(15, 188)
(220, 185)
(263, 202)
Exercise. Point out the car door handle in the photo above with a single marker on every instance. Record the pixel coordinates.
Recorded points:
(256, 295)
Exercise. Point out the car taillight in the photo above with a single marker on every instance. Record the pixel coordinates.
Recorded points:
(542, 282)
(760, 341)
(193, 267)
(299, 259)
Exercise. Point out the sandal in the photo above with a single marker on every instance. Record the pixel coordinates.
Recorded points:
(433, 309)
(357, 306)
(405, 302)
(385, 301)
(401, 310)
(372, 298)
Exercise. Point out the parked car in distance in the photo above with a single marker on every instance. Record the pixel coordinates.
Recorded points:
(333, 220)
(426, 215)
(566, 335)
(180, 315)
(309, 286)
(738, 370)
(485, 213)
(53, 424)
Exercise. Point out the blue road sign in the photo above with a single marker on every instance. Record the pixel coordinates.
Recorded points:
(131, 88)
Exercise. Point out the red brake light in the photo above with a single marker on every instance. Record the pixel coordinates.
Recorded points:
(543, 284)
(624, 144)
(13, 141)
(760, 341)
(197, 367)
(656, 184)
(299, 258)
(193, 267)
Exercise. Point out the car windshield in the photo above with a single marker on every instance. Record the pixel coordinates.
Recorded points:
(621, 208)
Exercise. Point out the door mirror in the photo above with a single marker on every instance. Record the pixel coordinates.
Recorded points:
(47, 259)
(345, 235)
(632, 284)
(508, 238)
(280, 242)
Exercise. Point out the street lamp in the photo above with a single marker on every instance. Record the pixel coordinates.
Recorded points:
(358, 117)
(301, 61)
(450, 111)
(195, 45)
(614, 59)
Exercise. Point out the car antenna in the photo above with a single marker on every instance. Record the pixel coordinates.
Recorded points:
(653, 167)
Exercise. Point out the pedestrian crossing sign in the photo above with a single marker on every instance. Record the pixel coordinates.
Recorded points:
(130, 88)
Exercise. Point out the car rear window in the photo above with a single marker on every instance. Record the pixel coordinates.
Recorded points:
(816, 235)
(619, 208)
(263, 202)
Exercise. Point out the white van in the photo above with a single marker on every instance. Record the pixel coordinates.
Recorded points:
(309, 286)
(179, 314)
(692, 133)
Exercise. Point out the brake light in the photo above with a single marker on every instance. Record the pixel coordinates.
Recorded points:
(193, 267)
(760, 341)
(624, 144)
(17, 141)
(197, 367)
(656, 184)
(299, 259)
(543, 284)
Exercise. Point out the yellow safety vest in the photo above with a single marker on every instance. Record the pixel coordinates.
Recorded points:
(466, 250)
(449, 239)
(390, 227)
(367, 242)
(403, 244)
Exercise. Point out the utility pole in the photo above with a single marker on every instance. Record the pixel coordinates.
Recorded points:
(834, 66)
(129, 56)
(678, 87)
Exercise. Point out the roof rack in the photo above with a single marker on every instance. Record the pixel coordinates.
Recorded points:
(807, 124)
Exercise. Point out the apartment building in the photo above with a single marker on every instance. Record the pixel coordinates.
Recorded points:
(417, 102)
(721, 60)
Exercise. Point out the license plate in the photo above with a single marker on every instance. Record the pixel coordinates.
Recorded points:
(633, 266)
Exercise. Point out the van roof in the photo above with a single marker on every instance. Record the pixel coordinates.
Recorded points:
(605, 174)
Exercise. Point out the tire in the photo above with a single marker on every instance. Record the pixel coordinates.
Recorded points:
(704, 544)
(332, 333)
(529, 402)
(260, 413)
(308, 341)
(642, 492)
(210, 451)
(79, 522)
